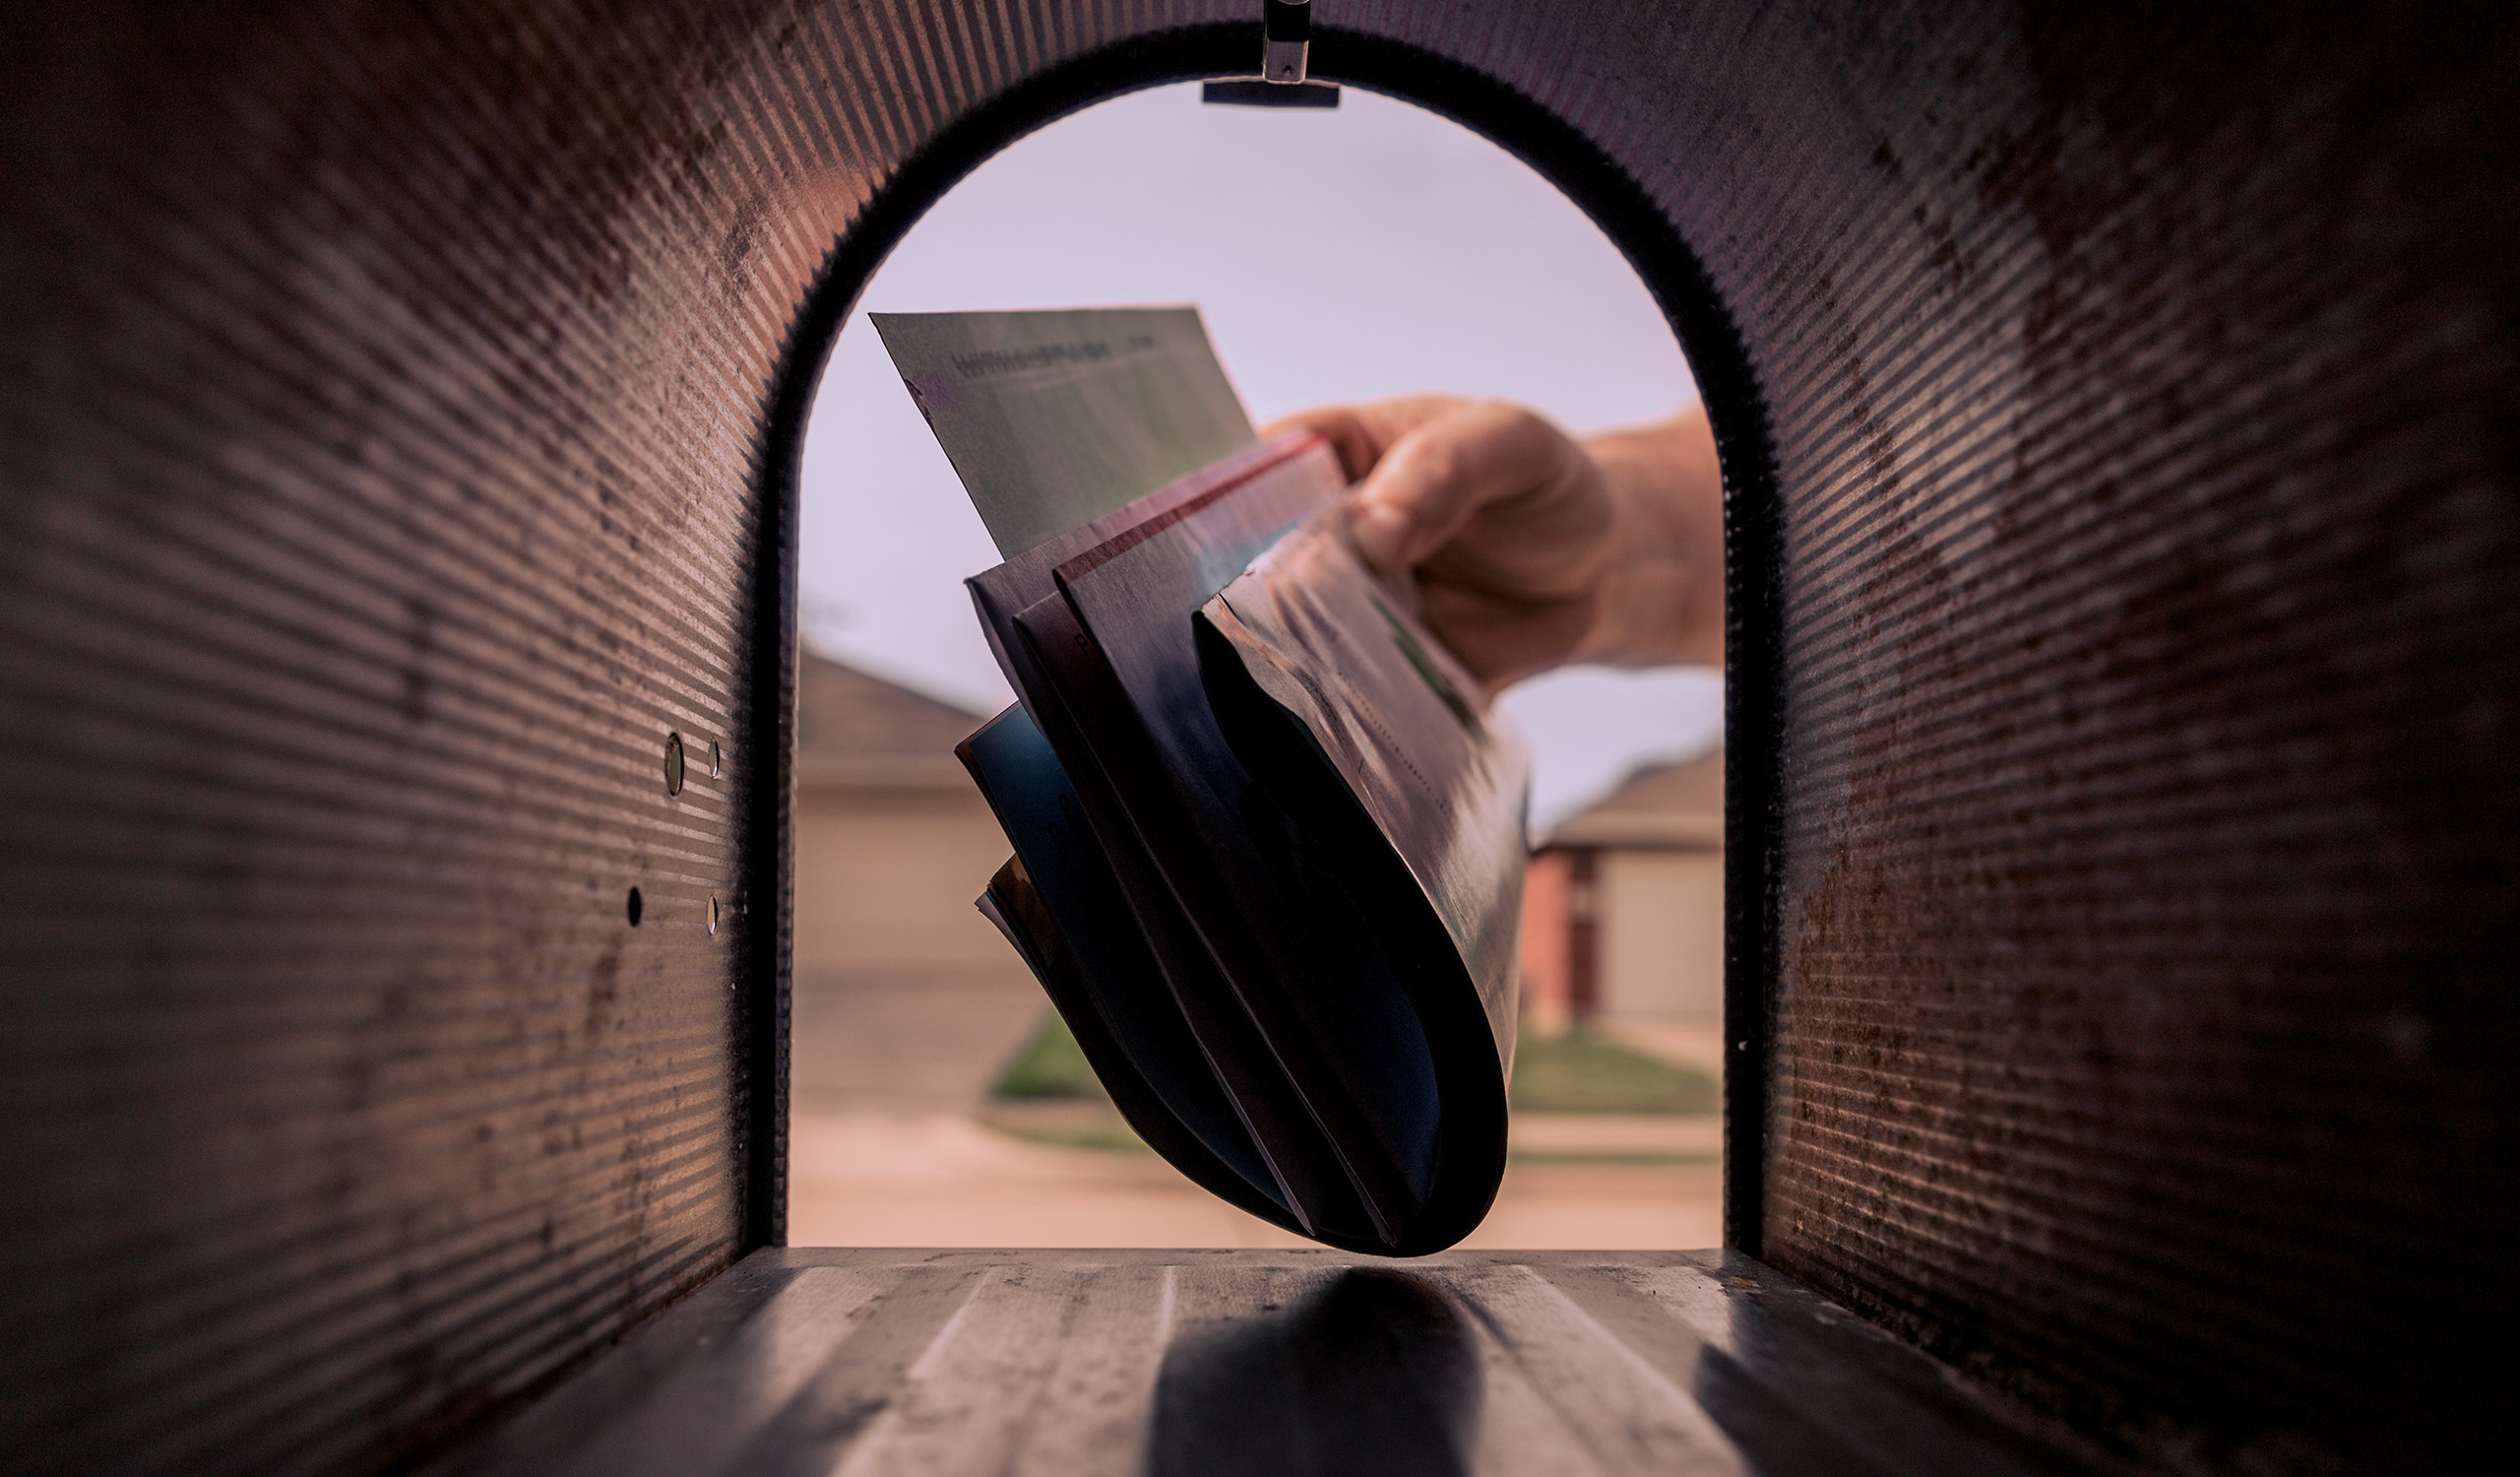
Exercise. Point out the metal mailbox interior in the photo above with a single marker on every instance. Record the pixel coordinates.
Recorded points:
(399, 413)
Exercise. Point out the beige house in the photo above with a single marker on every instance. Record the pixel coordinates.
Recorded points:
(892, 840)
(1623, 906)
(906, 1000)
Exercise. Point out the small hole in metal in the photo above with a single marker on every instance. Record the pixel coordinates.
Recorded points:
(636, 907)
(674, 764)
(713, 915)
(714, 762)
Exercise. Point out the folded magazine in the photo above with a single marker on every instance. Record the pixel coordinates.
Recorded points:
(1268, 833)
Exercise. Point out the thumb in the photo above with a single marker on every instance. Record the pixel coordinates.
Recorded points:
(1384, 533)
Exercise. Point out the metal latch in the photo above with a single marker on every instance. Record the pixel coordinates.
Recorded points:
(1286, 26)
(1286, 54)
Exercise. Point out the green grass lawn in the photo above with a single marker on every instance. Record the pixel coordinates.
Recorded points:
(1051, 1065)
(1574, 1073)
(1583, 1073)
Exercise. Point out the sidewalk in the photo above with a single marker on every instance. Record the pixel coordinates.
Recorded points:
(887, 1147)
(865, 1179)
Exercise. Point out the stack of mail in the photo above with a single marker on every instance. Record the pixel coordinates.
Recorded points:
(1268, 833)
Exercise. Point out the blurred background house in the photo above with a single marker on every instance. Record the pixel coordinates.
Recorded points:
(905, 998)
(1623, 916)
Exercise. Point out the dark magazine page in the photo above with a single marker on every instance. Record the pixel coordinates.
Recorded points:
(1063, 861)
(1112, 746)
(1442, 773)
(1020, 913)
(1332, 1008)
(1072, 699)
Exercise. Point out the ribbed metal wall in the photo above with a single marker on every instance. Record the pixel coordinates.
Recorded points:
(2143, 394)
(382, 437)
(394, 406)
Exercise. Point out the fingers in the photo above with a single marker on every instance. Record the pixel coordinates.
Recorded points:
(1361, 433)
(1529, 549)
(1432, 462)
(1439, 472)
(1339, 426)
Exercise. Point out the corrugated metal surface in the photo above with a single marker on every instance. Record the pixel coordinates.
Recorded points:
(380, 403)
(393, 434)
(1258, 1363)
(2152, 693)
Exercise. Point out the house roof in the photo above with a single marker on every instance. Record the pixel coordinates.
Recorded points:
(1662, 808)
(857, 728)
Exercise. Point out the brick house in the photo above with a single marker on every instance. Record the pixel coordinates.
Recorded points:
(1623, 906)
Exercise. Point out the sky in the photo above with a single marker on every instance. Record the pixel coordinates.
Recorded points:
(1375, 249)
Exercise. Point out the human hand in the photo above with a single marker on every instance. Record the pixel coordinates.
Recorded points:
(1533, 549)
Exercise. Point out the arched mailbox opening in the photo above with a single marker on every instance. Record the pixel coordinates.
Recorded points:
(1349, 254)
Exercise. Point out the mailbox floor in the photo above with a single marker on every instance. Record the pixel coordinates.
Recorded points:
(1220, 1363)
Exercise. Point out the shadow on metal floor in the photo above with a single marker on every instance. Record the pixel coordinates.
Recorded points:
(1226, 1363)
